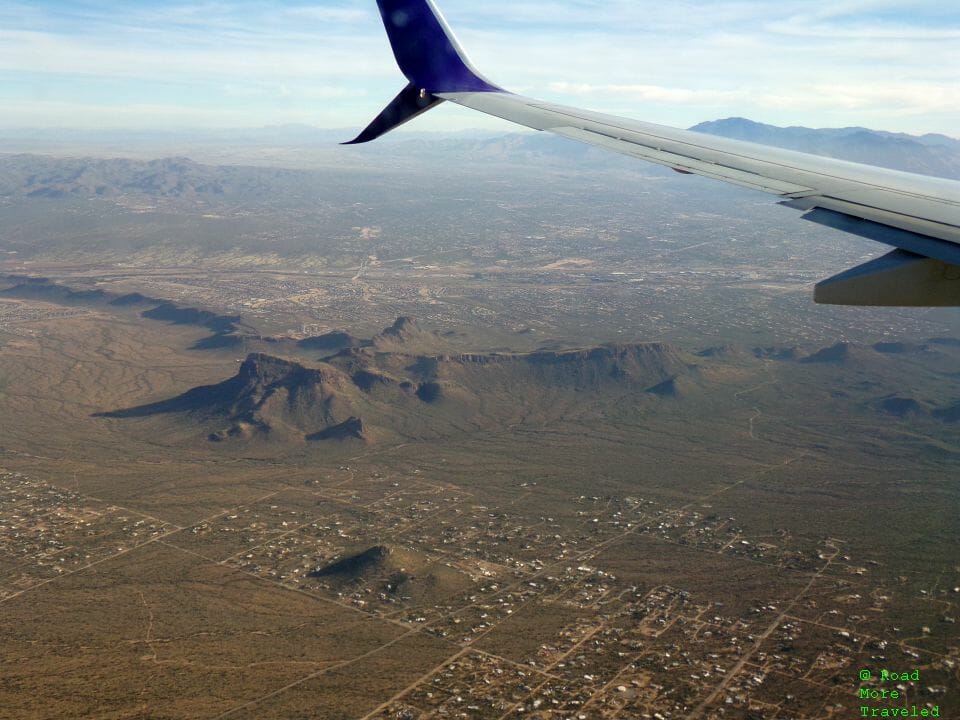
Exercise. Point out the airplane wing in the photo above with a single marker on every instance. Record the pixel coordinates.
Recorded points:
(917, 215)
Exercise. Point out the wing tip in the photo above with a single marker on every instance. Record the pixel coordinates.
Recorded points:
(426, 49)
(409, 102)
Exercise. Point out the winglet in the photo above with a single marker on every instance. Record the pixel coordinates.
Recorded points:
(405, 106)
(430, 57)
(426, 49)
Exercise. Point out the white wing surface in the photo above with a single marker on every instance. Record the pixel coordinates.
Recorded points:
(918, 215)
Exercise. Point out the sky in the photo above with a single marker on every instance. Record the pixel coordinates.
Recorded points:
(140, 64)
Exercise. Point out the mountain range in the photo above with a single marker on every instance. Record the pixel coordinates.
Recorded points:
(930, 154)
(388, 388)
(38, 176)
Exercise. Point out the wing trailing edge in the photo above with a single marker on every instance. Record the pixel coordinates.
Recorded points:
(898, 279)
(918, 215)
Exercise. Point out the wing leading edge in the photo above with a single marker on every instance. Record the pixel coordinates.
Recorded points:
(916, 214)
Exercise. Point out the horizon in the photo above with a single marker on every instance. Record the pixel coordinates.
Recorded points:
(70, 64)
(406, 132)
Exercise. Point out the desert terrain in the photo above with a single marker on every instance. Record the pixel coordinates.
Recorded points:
(550, 439)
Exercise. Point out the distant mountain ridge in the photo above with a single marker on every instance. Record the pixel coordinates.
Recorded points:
(224, 327)
(44, 177)
(930, 154)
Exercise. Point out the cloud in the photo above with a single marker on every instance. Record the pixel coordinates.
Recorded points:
(655, 93)
(679, 62)
(893, 98)
(329, 14)
(49, 53)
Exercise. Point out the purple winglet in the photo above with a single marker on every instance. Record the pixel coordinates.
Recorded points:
(426, 50)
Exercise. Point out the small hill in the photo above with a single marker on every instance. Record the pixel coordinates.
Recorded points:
(331, 341)
(901, 407)
(406, 335)
(670, 388)
(131, 299)
(722, 351)
(350, 429)
(394, 573)
(430, 392)
(842, 353)
(403, 329)
(373, 560)
(950, 414)
(776, 353)
(897, 348)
